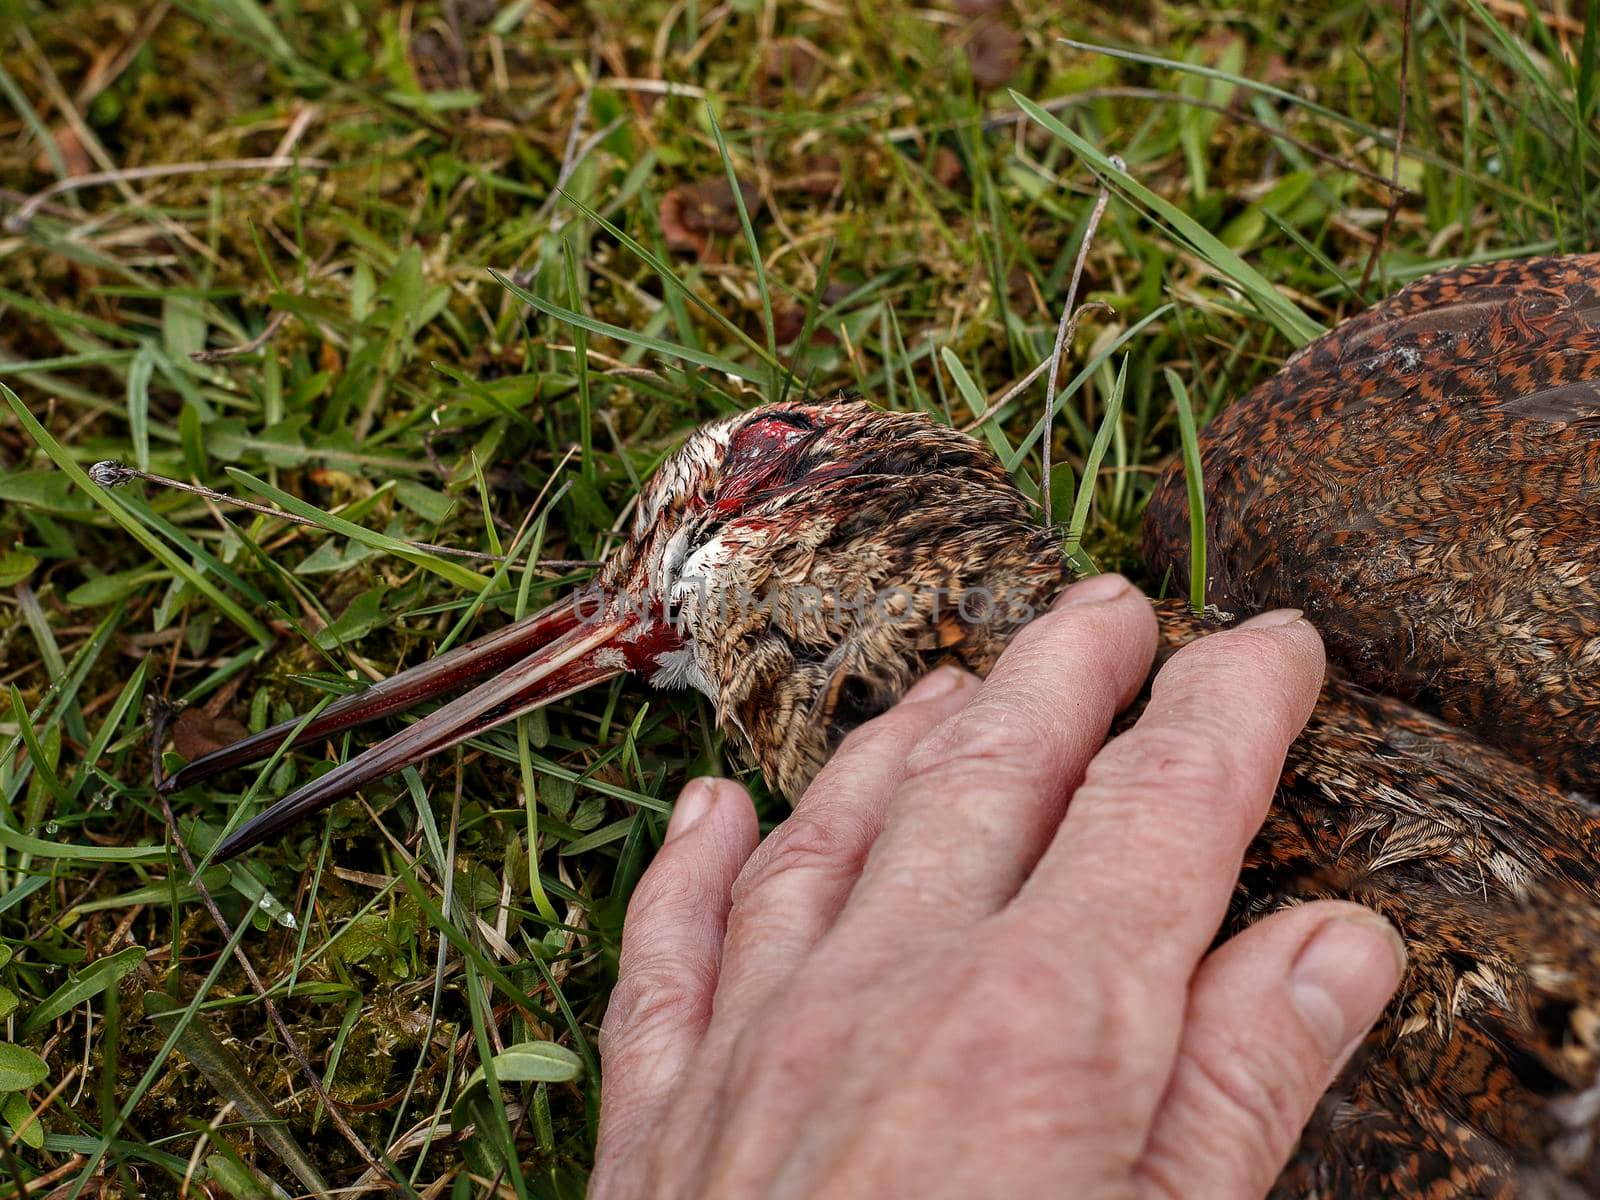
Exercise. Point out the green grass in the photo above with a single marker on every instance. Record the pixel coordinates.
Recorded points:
(423, 341)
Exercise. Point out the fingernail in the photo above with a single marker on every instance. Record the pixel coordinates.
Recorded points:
(1273, 619)
(694, 802)
(1343, 978)
(1096, 589)
(937, 683)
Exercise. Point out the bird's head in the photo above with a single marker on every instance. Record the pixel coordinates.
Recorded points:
(800, 564)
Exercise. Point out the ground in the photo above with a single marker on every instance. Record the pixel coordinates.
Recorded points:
(460, 273)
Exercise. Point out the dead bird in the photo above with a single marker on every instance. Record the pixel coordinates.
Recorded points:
(1423, 481)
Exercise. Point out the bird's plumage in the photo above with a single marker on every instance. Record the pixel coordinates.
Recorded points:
(865, 549)
(1483, 1077)
(1424, 481)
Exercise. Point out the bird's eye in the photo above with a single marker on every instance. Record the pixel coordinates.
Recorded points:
(763, 454)
(769, 434)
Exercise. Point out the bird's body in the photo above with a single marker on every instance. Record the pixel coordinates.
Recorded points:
(1483, 1077)
(1425, 482)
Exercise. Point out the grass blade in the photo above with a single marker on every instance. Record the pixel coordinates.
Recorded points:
(85, 985)
(973, 395)
(1197, 491)
(58, 455)
(1078, 380)
(699, 358)
(225, 1073)
(452, 572)
(139, 406)
(1272, 304)
(1091, 465)
(750, 242)
(671, 279)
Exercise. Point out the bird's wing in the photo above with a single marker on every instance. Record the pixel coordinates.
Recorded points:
(1425, 482)
(1498, 1099)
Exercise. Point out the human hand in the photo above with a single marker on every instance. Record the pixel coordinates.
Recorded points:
(938, 978)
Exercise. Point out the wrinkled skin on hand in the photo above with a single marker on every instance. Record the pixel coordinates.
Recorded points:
(978, 958)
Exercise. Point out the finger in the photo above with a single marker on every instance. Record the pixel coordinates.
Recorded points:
(671, 950)
(983, 793)
(791, 890)
(1146, 860)
(1273, 1015)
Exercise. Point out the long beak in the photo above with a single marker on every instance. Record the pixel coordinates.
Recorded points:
(539, 660)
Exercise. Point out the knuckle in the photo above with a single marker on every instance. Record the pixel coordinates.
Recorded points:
(1234, 662)
(1165, 1175)
(1163, 760)
(882, 735)
(667, 892)
(803, 847)
(984, 741)
(1084, 626)
(1028, 977)
(1194, 773)
(1243, 652)
(1050, 1033)
(1254, 1092)
(1090, 1001)
(1098, 634)
(650, 998)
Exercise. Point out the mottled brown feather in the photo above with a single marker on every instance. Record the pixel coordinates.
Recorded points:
(1424, 481)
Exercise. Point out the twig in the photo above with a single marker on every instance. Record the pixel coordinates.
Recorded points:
(1056, 104)
(578, 155)
(111, 474)
(98, 80)
(1007, 396)
(277, 320)
(570, 157)
(39, 1183)
(1070, 315)
(297, 128)
(656, 87)
(1396, 193)
(249, 347)
(19, 221)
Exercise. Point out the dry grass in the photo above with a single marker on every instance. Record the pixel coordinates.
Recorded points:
(307, 309)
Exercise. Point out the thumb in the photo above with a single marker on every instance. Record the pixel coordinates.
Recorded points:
(1273, 1015)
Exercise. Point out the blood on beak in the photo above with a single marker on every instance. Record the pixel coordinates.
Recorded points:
(537, 660)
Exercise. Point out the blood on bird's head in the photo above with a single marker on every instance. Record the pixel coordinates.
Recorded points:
(764, 453)
(721, 472)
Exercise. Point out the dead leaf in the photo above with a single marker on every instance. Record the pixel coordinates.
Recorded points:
(994, 52)
(692, 212)
(1020, 290)
(790, 320)
(436, 61)
(790, 64)
(72, 152)
(1278, 71)
(818, 175)
(947, 167)
(197, 732)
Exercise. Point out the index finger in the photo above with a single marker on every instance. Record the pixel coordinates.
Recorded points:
(1145, 862)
